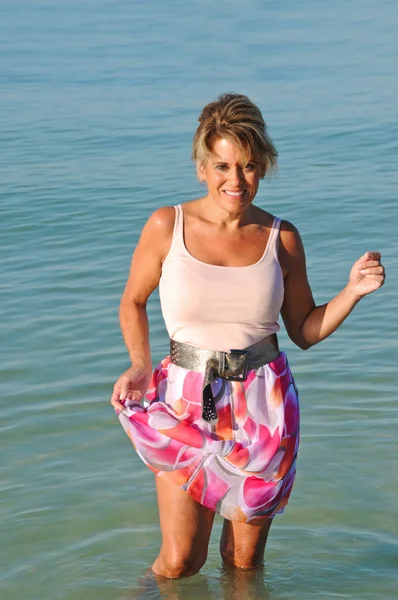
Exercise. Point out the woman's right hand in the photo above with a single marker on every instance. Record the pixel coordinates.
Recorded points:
(132, 385)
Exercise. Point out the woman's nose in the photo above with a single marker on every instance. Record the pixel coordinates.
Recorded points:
(236, 175)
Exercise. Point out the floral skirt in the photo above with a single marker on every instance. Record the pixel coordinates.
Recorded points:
(243, 466)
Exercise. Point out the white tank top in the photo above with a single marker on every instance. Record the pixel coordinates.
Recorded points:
(220, 308)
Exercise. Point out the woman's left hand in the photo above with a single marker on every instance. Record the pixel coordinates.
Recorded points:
(367, 274)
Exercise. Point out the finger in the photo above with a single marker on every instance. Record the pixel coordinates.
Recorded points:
(116, 404)
(362, 263)
(124, 389)
(136, 396)
(379, 278)
(370, 263)
(115, 395)
(371, 256)
(373, 271)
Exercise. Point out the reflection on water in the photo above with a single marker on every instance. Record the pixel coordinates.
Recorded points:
(237, 584)
(228, 584)
(156, 588)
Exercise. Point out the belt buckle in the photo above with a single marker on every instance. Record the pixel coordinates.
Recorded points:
(239, 363)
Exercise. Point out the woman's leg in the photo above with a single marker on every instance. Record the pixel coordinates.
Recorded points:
(186, 527)
(242, 544)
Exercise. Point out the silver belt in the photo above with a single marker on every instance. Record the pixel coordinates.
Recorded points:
(232, 365)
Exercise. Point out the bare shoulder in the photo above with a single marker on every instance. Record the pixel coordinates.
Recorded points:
(290, 239)
(291, 249)
(162, 220)
(157, 233)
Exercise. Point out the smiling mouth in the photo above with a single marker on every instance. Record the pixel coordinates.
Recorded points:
(234, 194)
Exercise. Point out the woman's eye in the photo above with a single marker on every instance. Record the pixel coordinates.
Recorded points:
(221, 167)
(250, 166)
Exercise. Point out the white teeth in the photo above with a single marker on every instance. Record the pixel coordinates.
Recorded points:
(233, 193)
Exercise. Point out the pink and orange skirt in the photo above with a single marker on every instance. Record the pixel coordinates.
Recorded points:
(243, 467)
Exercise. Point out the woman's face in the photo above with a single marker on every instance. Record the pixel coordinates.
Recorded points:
(231, 181)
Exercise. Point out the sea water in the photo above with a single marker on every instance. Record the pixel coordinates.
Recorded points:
(99, 101)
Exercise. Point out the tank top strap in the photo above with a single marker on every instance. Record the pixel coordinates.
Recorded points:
(273, 243)
(177, 244)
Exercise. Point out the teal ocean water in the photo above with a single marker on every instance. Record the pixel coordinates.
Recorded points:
(99, 102)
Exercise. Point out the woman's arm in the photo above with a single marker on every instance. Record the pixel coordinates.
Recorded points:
(145, 271)
(306, 323)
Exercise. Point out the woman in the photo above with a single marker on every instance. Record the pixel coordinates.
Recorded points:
(220, 422)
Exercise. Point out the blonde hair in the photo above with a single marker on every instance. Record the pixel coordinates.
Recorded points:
(237, 119)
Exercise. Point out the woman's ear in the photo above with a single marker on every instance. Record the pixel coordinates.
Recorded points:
(200, 171)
